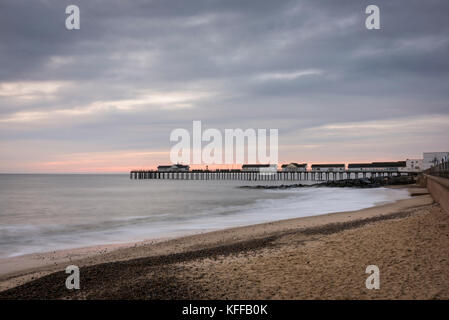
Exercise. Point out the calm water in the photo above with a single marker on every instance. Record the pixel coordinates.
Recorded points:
(41, 213)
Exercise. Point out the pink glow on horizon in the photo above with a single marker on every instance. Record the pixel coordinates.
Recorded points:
(111, 167)
(123, 161)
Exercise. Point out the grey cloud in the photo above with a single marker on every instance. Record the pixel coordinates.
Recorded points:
(128, 47)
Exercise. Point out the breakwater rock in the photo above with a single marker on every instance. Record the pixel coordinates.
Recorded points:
(368, 182)
(346, 183)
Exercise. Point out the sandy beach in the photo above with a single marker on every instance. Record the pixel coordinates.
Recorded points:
(319, 257)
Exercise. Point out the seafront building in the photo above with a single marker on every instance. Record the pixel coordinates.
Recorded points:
(173, 168)
(259, 167)
(294, 167)
(378, 166)
(354, 167)
(413, 165)
(328, 167)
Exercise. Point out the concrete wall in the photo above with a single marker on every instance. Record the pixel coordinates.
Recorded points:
(439, 189)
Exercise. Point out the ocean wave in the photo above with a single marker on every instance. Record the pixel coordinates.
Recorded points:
(207, 210)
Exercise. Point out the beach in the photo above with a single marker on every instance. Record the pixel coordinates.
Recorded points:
(318, 257)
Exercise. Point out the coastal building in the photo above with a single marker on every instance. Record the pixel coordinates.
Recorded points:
(357, 167)
(392, 166)
(294, 167)
(382, 166)
(173, 168)
(431, 159)
(259, 167)
(412, 165)
(328, 167)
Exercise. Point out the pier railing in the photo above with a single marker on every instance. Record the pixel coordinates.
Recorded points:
(440, 170)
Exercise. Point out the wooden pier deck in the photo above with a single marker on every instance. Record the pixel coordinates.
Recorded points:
(259, 176)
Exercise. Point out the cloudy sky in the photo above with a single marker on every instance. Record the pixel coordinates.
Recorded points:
(106, 97)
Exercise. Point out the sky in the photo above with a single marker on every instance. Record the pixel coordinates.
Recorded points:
(105, 98)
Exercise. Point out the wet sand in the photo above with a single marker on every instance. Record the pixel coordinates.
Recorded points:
(320, 257)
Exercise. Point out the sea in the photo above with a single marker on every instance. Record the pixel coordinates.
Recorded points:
(47, 212)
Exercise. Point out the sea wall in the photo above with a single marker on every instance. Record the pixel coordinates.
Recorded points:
(439, 189)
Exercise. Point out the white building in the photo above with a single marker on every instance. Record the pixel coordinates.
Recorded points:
(413, 165)
(431, 159)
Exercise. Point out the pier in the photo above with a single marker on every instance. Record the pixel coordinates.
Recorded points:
(261, 176)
